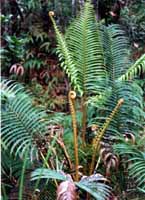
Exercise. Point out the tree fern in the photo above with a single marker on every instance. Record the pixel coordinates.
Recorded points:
(81, 56)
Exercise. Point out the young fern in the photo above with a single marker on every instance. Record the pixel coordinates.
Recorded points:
(72, 96)
(81, 56)
(94, 185)
(100, 133)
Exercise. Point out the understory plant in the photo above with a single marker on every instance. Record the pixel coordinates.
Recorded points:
(97, 61)
(29, 140)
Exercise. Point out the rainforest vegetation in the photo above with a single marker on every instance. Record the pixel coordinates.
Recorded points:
(72, 99)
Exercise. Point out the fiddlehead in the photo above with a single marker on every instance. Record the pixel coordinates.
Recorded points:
(100, 133)
(71, 97)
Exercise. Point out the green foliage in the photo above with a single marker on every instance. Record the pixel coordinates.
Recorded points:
(135, 156)
(11, 171)
(132, 18)
(29, 46)
(11, 52)
(36, 56)
(98, 190)
(97, 61)
(48, 174)
(96, 58)
(11, 166)
(81, 53)
(47, 97)
(137, 68)
(21, 121)
(65, 56)
(89, 184)
(116, 52)
(130, 116)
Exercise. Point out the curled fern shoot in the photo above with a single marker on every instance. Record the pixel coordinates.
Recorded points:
(72, 96)
(100, 133)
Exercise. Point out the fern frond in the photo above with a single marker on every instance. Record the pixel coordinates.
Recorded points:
(136, 160)
(81, 53)
(21, 121)
(65, 57)
(136, 69)
(130, 117)
(116, 52)
(48, 174)
(95, 184)
(100, 133)
(84, 43)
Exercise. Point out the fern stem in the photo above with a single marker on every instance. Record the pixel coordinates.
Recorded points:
(47, 156)
(100, 133)
(62, 145)
(84, 119)
(22, 176)
(72, 96)
(46, 163)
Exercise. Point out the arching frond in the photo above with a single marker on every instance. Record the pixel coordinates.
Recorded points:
(130, 117)
(93, 184)
(99, 135)
(96, 186)
(21, 121)
(116, 55)
(65, 57)
(136, 69)
(136, 160)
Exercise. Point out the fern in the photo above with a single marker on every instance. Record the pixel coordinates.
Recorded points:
(21, 121)
(136, 160)
(93, 184)
(100, 56)
(96, 186)
(33, 63)
(97, 139)
(116, 52)
(85, 45)
(65, 57)
(82, 50)
(136, 69)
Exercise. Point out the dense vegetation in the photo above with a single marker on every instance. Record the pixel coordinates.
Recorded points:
(72, 100)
